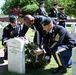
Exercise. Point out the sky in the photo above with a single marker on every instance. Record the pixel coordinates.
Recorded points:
(1, 3)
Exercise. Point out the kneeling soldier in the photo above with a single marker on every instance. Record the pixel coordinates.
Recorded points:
(10, 31)
(59, 42)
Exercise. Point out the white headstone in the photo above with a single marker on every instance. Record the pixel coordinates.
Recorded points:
(1, 32)
(73, 30)
(16, 55)
(74, 61)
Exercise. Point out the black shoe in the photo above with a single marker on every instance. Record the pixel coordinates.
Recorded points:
(55, 70)
(62, 71)
(59, 70)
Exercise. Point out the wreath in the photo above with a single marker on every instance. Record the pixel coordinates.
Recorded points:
(30, 59)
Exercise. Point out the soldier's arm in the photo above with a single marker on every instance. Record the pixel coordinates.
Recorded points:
(62, 16)
(62, 35)
(23, 30)
(5, 35)
(70, 39)
(59, 38)
(46, 47)
(65, 17)
(37, 12)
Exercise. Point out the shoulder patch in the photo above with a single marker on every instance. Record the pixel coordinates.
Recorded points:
(57, 37)
(6, 28)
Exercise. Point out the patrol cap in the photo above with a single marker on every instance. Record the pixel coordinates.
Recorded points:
(42, 2)
(62, 8)
(55, 3)
(46, 21)
(12, 19)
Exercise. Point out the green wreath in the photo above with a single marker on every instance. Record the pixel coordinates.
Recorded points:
(32, 60)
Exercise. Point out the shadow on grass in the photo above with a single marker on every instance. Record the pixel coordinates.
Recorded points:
(28, 71)
(40, 71)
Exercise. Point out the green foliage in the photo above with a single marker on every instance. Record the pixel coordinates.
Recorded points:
(29, 6)
(48, 5)
(74, 7)
(1, 45)
(30, 9)
(32, 60)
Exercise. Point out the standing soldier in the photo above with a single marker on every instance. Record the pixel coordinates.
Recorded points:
(62, 17)
(54, 11)
(41, 10)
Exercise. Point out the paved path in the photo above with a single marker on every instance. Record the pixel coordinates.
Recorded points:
(3, 63)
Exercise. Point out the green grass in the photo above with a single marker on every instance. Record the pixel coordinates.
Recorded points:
(68, 28)
(46, 71)
(30, 34)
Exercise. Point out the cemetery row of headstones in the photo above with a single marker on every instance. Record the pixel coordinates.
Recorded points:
(2, 25)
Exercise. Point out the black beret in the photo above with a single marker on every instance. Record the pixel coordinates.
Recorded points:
(12, 18)
(46, 21)
(42, 2)
(55, 3)
(62, 8)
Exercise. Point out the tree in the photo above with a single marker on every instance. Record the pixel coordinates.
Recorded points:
(26, 6)
(74, 8)
(29, 6)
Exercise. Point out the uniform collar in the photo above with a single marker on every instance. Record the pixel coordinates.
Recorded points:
(51, 30)
(14, 27)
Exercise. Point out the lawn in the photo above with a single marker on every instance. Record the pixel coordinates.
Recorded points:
(68, 28)
(45, 71)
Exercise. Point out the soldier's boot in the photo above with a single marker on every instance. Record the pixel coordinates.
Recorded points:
(60, 70)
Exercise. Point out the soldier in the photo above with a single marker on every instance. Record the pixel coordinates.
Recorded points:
(59, 42)
(35, 21)
(41, 10)
(23, 27)
(62, 17)
(54, 11)
(10, 31)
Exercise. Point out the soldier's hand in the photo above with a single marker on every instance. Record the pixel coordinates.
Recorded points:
(38, 52)
(4, 44)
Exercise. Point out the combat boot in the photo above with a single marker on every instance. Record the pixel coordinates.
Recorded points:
(59, 70)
